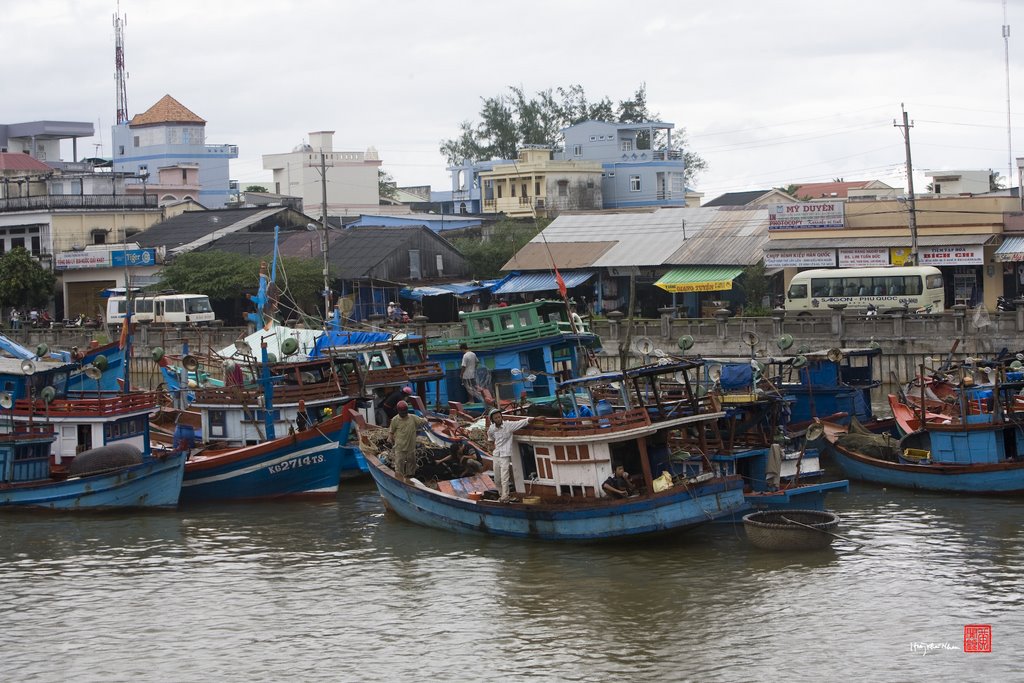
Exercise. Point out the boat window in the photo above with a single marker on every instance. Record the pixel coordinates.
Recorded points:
(506, 322)
(524, 319)
(218, 423)
(484, 325)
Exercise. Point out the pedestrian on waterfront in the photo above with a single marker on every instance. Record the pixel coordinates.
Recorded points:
(500, 432)
(404, 427)
(389, 405)
(618, 485)
(15, 319)
(468, 375)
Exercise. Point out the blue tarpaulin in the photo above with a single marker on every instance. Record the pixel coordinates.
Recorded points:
(342, 338)
(454, 288)
(737, 376)
(541, 282)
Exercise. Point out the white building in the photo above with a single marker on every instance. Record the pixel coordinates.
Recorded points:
(352, 185)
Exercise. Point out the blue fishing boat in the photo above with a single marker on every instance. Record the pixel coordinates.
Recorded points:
(564, 462)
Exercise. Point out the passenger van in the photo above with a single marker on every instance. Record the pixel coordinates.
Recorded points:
(165, 309)
(915, 287)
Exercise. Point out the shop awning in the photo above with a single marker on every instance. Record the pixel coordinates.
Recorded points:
(453, 288)
(1012, 249)
(541, 282)
(699, 279)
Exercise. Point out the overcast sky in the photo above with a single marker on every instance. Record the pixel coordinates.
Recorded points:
(769, 93)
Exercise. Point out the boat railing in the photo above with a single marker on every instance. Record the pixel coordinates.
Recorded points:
(22, 431)
(412, 372)
(497, 337)
(618, 421)
(282, 393)
(86, 404)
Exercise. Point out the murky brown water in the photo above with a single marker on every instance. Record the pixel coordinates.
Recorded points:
(338, 590)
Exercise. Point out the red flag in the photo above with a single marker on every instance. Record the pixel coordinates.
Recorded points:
(123, 341)
(561, 283)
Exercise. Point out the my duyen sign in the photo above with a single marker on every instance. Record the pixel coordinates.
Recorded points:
(972, 255)
(863, 256)
(800, 258)
(807, 216)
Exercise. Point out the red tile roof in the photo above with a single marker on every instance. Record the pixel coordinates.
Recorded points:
(167, 110)
(826, 190)
(18, 161)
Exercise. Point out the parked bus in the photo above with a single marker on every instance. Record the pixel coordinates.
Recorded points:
(916, 287)
(163, 309)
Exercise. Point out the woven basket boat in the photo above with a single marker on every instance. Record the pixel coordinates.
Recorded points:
(768, 530)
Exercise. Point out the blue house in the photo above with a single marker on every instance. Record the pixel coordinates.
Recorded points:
(465, 196)
(640, 166)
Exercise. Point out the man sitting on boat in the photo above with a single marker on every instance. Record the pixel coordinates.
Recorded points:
(404, 427)
(500, 432)
(618, 485)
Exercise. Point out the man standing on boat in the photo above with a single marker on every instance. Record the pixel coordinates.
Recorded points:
(500, 432)
(469, 363)
(403, 437)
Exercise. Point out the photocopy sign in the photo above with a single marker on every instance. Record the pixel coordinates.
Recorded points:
(863, 256)
(807, 216)
(800, 258)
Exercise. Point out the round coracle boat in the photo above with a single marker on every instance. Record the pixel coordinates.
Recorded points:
(791, 529)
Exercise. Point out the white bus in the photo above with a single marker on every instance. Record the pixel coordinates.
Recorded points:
(166, 309)
(916, 287)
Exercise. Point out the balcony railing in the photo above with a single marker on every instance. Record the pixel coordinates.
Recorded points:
(75, 201)
(667, 155)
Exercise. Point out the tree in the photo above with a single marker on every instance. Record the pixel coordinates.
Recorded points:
(255, 188)
(387, 188)
(756, 285)
(513, 119)
(995, 181)
(23, 282)
(486, 257)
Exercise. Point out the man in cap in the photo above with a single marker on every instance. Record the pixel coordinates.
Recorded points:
(404, 427)
(389, 406)
(500, 432)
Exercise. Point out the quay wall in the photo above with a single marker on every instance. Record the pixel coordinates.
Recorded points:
(906, 339)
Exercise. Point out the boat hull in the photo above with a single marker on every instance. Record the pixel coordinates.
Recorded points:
(674, 510)
(989, 478)
(302, 464)
(154, 483)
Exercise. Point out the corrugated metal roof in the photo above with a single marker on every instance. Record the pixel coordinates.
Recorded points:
(699, 279)
(538, 256)
(541, 282)
(895, 241)
(1011, 249)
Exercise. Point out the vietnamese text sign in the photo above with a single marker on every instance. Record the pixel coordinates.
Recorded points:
(807, 216)
(800, 258)
(899, 255)
(952, 256)
(133, 257)
(68, 260)
(863, 256)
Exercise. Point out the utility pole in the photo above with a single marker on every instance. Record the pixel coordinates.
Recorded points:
(905, 129)
(324, 241)
(1009, 135)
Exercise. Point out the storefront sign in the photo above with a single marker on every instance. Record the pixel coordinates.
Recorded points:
(952, 256)
(863, 256)
(807, 216)
(69, 260)
(133, 257)
(899, 256)
(800, 258)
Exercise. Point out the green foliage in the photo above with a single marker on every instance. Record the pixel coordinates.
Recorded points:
(387, 188)
(486, 257)
(23, 282)
(255, 188)
(513, 119)
(755, 285)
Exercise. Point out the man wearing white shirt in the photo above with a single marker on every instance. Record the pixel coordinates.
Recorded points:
(500, 432)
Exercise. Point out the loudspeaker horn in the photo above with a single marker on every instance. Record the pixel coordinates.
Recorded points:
(592, 371)
(157, 354)
(190, 363)
(750, 339)
(28, 367)
(834, 354)
(242, 347)
(101, 362)
(679, 377)
(271, 357)
(42, 350)
(6, 401)
(715, 372)
(814, 432)
(685, 342)
(289, 346)
(93, 372)
(799, 361)
(784, 341)
(47, 393)
(644, 346)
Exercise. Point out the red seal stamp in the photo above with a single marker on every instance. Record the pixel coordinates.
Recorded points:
(978, 638)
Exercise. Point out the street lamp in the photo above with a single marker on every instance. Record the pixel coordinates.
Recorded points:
(144, 174)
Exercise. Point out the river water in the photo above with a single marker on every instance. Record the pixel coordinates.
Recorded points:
(340, 590)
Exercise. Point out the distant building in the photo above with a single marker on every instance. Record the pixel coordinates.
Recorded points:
(960, 182)
(41, 139)
(537, 185)
(856, 190)
(466, 194)
(352, 177)
(166, 146)
(640, 168)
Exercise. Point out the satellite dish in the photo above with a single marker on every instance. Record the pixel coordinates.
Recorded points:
(6, 401)
(516, 372)
(1020, 357)
(715, 372)
(47, 393)
(679, 377)
(804, 348)
(799, 361)
(1016, 365)
(784, 341)
(346, 304)
(814, 432)
(289, 346)
(750, 339)
(190, 363)
(531, 378)
(702, 391)
(93, 372)
(644, 346)
(101, 362)
(834, 354)
(592, 371)
(271, 357)
(685, 342)
(28, 367)
(42, 350)
(157, 354)
(658, 353)
(242, 347)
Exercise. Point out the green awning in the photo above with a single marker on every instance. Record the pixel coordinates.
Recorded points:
(699, 279)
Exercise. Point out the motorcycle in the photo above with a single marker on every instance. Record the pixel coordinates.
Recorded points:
(1004, 304)
(75, 322)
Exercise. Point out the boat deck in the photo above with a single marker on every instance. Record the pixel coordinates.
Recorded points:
(461, 488)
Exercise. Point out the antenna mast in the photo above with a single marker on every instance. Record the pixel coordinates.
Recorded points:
(1009, 137)
(119, 73)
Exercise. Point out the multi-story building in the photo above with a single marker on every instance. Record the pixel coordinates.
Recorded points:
(167, 143)
(466, 194)
(640, 166)
(536, 184)
(352, 182)
(41, 139)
